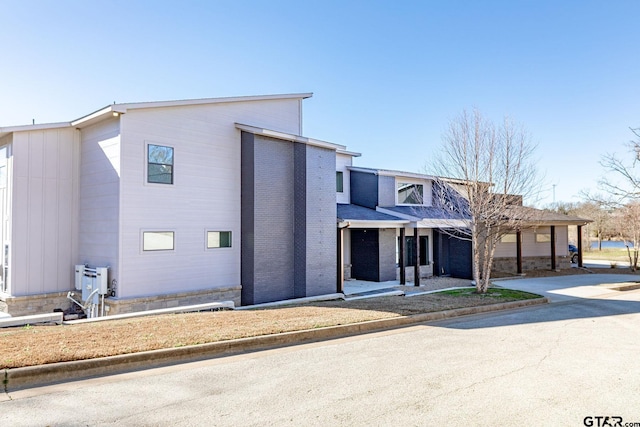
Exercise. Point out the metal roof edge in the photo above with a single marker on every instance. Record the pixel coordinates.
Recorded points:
(288, 137)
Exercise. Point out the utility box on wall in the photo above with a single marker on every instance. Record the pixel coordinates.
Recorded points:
(92, 281)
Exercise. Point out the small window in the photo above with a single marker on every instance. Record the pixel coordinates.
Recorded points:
(339, 182)
(218, 239)
(543, 237)
(410, 194)
(157, 240)
(509, 238)
(160, 164)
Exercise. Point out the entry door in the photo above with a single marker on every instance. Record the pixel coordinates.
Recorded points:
(365, 263)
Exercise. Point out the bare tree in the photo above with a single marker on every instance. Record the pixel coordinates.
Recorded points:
(627, 187)
(627, 219)
(493, 168)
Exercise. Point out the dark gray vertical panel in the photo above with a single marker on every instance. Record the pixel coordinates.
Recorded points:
(274, 266)
(300, 220)
(364, 189)
(247, 223)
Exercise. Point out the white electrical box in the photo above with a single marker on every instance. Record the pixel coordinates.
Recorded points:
(78, 277)
(92, 281)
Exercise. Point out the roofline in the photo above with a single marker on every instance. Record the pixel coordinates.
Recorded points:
(349, 153)
(387, 172)
(288, 137)
(40, 126)
(372, 223)
(123, 108)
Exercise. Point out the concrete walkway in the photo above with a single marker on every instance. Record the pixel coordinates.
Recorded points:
(563, 288)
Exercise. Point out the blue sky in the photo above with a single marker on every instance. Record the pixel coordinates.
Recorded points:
(387, 76)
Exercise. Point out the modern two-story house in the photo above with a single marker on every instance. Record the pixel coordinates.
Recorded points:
(183, 201)
(215, 199)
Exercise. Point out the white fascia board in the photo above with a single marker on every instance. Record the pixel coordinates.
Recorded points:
(411, 218)
(374, 224)
(385, 172)
(289, 137)
(98, 115)
(443, 223)
(26, 128)
(122, 108)
(349, 153)
(179, 103)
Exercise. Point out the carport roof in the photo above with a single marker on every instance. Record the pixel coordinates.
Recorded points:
(359, 216)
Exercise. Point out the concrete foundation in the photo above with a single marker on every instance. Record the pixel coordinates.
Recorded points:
(46, 303)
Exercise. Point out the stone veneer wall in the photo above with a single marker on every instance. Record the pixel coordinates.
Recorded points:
(425, 271)
(510, 265)
(130, 305)
(46, 303)
(34, 304)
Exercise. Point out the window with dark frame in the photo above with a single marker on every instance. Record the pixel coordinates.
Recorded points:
(159, 164)
(218, 239)
(339, 182)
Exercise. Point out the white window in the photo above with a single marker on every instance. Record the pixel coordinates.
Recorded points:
(410, 193)
(158, 240)
(543, 237)
(509, 238)
(339, 182)
(218, 239)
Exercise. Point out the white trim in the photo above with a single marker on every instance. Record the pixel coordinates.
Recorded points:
(122, 108)
(288, 137)
(374, 224)
(349, 153)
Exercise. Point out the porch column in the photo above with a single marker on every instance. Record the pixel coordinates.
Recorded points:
(403, 273)
(340, 256)
(416, 267)
(519, 250)
(580, 246)
(553, 247)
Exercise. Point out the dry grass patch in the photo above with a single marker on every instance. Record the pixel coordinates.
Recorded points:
(37, 345)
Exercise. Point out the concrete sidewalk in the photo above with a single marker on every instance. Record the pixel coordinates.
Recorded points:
(563, 288)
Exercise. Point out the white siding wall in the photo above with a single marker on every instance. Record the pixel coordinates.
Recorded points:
(532, 248)
(5, 206)
(44, 212)
(99, 196)
(342, 162)
(205, 194)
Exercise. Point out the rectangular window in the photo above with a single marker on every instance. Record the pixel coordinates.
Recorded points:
(339, 182)
(509, 238)
(410, 194)
(543, 237)
(157, 240)
(159, 164)
(218, 239)
(410, 253)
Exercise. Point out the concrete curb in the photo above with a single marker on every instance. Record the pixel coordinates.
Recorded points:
(32, 376)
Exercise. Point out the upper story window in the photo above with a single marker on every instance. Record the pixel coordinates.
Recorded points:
(410, 193)
(159, 164)
(339, 182)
